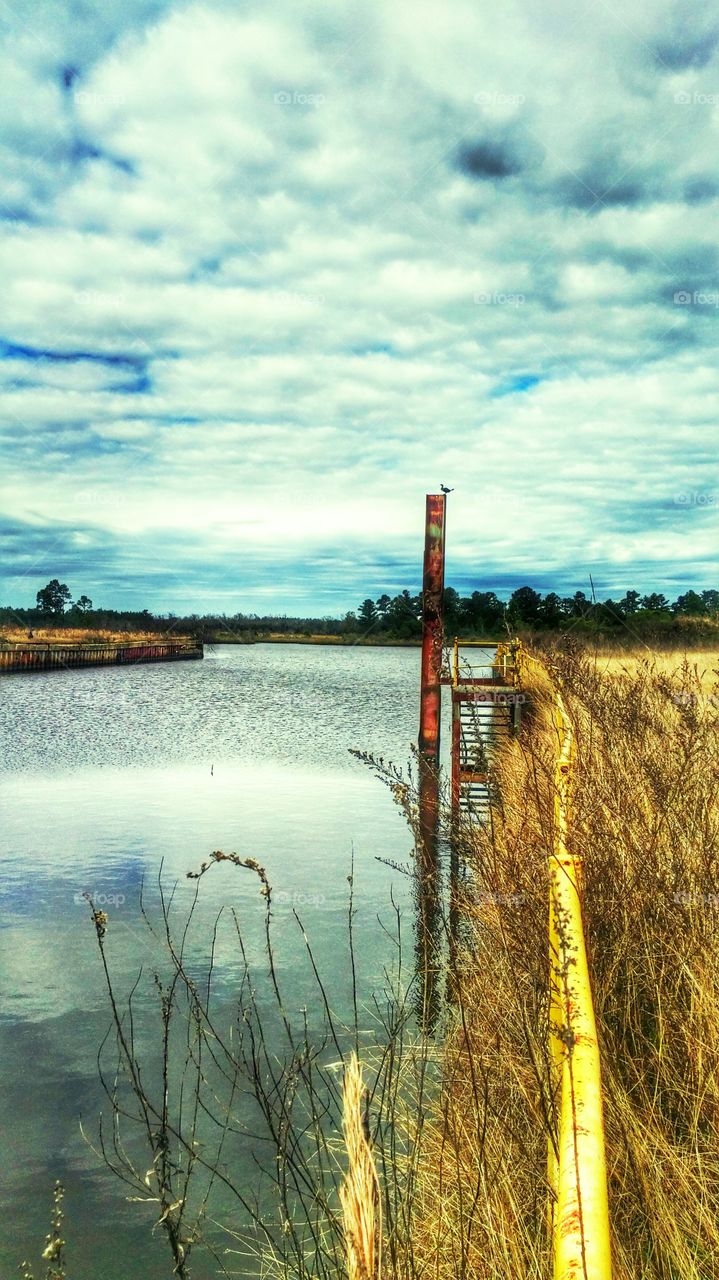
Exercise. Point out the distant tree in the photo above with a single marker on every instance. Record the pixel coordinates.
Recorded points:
(482, 611)
(383, 604)
(609, 611)
(711, 600)
(690, 603)
(409, 603)
(655, 602)
(403, 615)
(551, 610)
(367, 613)
(54, 598)
(452, 611)
(83, 604)
(577, 605)
(524, 604)
(630, 602)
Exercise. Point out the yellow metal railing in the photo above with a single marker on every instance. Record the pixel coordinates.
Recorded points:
(577, 1175)
(505, 666)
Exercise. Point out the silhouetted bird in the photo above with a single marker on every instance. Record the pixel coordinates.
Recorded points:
(444, 489)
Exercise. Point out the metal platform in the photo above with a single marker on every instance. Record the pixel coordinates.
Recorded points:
(486, 710)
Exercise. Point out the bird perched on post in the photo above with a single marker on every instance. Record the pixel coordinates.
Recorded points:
(444, 489)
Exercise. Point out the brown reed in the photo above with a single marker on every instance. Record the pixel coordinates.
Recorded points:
(359, 1193)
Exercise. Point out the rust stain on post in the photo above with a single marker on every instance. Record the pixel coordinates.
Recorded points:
(432, 594)
(429, 730)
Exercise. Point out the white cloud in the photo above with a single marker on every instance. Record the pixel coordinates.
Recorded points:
(308, 265)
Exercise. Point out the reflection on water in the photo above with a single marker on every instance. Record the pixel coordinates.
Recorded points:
(292, 703)
(108, 774)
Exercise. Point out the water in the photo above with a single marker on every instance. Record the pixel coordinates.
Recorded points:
(106, 775)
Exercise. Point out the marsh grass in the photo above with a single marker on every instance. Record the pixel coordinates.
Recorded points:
(359, 1193)
(645, 822)
(702, 666)
(73, 637)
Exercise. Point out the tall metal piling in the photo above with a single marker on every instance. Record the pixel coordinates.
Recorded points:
(429, 743)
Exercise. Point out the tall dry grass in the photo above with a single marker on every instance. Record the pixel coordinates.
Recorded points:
(646, 824)
(703, 665)
(76, 636)
(359, 1193)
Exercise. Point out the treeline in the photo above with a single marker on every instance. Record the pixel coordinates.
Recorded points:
(238, 626)
(480, 614)
(483, 614)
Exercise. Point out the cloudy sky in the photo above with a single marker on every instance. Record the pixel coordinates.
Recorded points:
(273, 271)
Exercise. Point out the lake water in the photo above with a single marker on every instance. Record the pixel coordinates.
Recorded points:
(106, 773)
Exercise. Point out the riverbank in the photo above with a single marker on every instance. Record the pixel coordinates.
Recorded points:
(74, 637)
(644, 823)
(698, 637)
(678, 635)
(299, 637)
(50, 649)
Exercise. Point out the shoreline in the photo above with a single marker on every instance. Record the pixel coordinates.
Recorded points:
(27, 659)
(348, 642)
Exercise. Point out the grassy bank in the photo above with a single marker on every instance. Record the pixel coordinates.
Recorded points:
(702, 666)
(646, 823)
(76, 637)
(301, 637)
(652, 633)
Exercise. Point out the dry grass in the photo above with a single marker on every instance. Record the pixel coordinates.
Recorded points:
(702, 664)
(646, 822)
(76, 636)
(359, 1193)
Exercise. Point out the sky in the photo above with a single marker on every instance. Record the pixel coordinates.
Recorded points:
(271, 272)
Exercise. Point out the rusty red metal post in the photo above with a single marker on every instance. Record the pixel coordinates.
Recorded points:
(429, 737)
(432, 629)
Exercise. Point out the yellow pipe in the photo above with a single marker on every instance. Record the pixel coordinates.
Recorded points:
(581, 1216)
(578, 1209)
(555, 1076)
(556, 1012)
(556, 1055)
